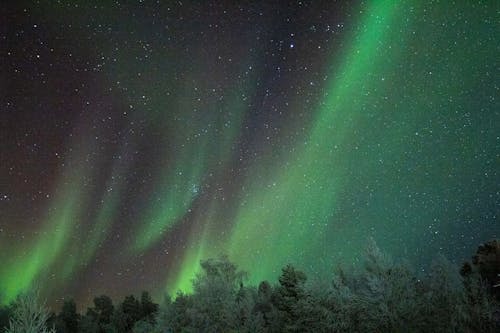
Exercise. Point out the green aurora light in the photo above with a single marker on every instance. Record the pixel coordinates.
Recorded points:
(404, 125)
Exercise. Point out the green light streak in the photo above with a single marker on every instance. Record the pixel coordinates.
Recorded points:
(19, 273)
(201, 151)
(180, 189)
(412, 68)
(201, 246)
(102, 222)
(204, 240)
(277, 218)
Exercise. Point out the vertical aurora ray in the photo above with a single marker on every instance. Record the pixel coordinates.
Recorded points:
(101, 224)
(60, 250)
(298, 207)
(180, 188)
(204, 240)
(202, 245)
(34, 263)
(18, 274)
(180, 177)
(364, 168)
(201, 151)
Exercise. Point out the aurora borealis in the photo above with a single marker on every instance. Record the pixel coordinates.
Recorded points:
(139, 137)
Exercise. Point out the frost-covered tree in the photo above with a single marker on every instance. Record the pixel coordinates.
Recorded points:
(386, 297)
(216, 296)
(143, 326)
(29, 315)
(174, 316)
(286, 296)
(244, 304)
(478, 306)
(444, 297)
(379, 295)
(264, 314)
(486, 264)
(341, 300)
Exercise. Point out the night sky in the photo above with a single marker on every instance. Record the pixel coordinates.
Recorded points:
(139, 137)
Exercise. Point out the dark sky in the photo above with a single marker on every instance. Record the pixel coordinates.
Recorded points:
(139, 137)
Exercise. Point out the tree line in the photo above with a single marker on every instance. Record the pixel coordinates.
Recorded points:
(380, 295)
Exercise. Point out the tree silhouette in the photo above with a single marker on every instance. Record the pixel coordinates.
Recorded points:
(6, 313)
(132, 310)
(148, 307)
(68, 318)
(101, 312)
(486, 262)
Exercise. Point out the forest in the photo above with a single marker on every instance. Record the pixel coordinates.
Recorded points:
(379, 295)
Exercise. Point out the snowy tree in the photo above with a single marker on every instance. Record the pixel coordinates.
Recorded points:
(216, 296)
(143, 326)
(29, 316)
(444, 296)
(174, 316)
(290, 291)
(478, 305)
